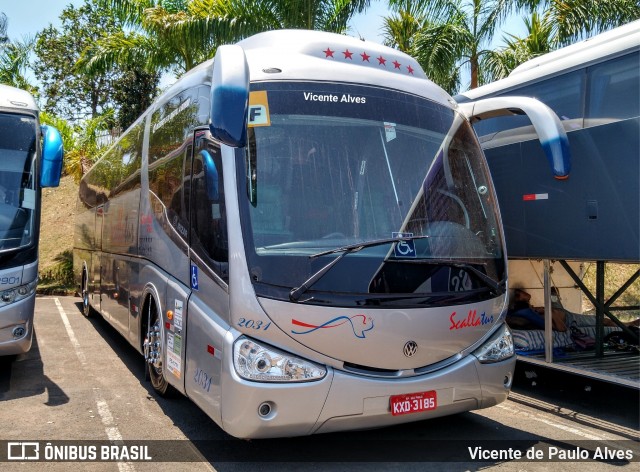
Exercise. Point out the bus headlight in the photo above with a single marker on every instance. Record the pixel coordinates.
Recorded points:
(254, 361)
(498, 348)
(18, 293)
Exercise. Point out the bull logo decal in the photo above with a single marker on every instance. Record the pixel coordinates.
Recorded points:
(360, 324)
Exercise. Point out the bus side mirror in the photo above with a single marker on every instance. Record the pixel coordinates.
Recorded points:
(546, 123)
(51, 160)
(230, 96)
(210, 176)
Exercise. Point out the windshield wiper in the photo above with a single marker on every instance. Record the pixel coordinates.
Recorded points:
(295, 293)
(497, 287)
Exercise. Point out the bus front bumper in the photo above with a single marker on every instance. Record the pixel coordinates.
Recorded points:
(16, 326)
(345, 401)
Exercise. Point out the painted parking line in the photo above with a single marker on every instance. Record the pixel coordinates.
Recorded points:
(111, 429)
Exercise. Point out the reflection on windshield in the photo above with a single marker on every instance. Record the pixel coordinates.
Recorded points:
(316, 182)
(17, 191)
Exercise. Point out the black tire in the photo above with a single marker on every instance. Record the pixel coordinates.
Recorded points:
(84, 293)
(154, 367)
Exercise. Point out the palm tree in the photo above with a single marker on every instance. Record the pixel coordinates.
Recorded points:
(448, 35)
(153, 38)
(539, 40)
(556, 23)
(180, 34)
(578, 19)
(14, 62)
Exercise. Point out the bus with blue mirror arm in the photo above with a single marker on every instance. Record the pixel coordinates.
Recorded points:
(304, 237)
(30, 159)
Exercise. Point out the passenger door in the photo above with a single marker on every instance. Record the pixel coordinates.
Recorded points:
(208, 307)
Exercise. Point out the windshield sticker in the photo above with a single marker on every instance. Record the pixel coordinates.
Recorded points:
(472, 320)
(259, 109)
(360, 324)
(404, 249)
(29, 199)
(390, 131)
(329, 97)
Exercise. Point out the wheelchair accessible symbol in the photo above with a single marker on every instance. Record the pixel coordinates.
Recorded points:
(406, 249)
(194, 277)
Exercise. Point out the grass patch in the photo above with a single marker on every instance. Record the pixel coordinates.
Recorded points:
(56, 238)
(615, 276)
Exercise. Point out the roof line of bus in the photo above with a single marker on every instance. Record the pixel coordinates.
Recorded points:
(609, 44)
(17, 99)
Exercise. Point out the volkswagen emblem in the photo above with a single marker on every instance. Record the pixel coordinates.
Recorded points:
(410, 348)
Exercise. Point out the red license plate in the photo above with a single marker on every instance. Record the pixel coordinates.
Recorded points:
(413, 402)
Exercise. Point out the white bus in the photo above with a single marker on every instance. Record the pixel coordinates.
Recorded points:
(302, 236)
(30, 158)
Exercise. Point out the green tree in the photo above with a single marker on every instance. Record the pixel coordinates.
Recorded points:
(176, 35)
(557, 23)
(65, 91)
(154, 38)
(133, 94)
(14, 64)
(447, 35)
(573, 20)
(14, 59)
(539, 40)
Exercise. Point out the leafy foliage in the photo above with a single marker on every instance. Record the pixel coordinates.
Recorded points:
(447, 36)
(65, 91)
(14, 63)
(177, 35)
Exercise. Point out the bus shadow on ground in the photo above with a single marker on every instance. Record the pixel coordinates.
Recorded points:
(444, 443)
(23, 376)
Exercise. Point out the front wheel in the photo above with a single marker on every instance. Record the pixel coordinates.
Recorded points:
(153, 349)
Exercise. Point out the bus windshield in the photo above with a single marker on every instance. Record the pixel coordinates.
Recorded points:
(17, 182)
(390, 187)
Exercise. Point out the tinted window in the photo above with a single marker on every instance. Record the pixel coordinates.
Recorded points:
(117, 171)
(563, 94)
(614, 89)
(17, 184)
(174, 121)
(208, 214)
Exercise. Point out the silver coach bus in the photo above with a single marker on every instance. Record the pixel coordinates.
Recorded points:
(302, 236)
(30, 158)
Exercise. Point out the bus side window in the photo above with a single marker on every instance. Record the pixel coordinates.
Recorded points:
(614, 90)
(563, 94)
(207, 204)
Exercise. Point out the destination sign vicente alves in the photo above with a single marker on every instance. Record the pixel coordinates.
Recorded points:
(344, 98)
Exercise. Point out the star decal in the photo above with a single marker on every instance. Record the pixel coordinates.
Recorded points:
(365, 56)
(382, 61)
(348, 54)
(410, 70)
(328, 52)
(396, 64)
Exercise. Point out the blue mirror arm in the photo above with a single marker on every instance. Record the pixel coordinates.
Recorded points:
(551, 133)
(52, 155)
(211, 176)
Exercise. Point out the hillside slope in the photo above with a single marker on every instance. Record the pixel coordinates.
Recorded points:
(56, 237)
